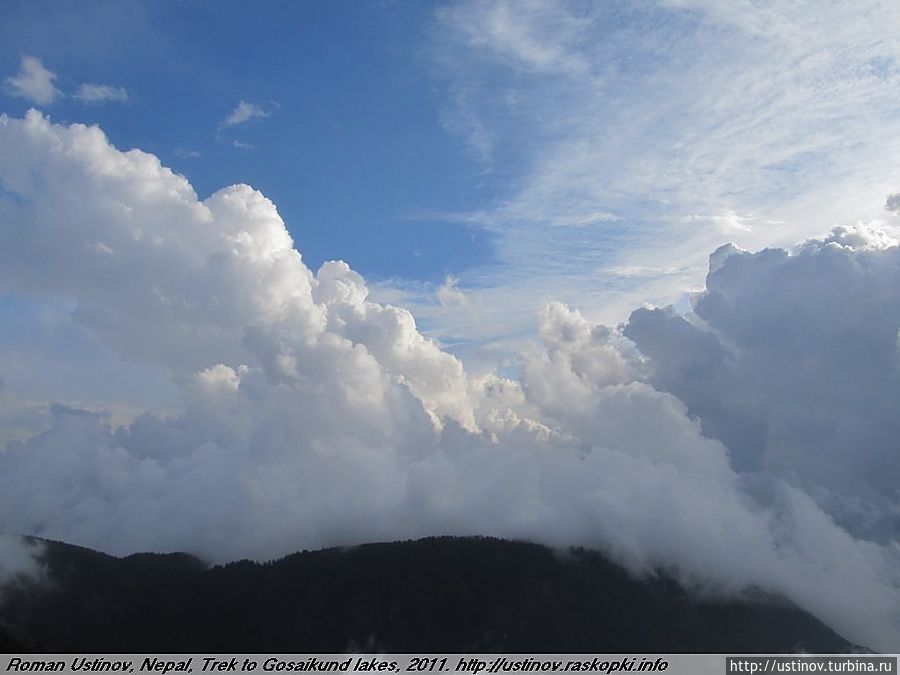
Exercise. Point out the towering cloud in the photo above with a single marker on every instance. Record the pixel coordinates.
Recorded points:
(311, 416)
(792, 361)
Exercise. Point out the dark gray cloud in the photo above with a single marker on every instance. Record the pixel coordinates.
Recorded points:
(792, 361)
(892, 203)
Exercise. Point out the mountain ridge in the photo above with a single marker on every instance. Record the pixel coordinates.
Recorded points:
(439, 594)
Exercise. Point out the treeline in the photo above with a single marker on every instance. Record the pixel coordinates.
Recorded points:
(452, 595)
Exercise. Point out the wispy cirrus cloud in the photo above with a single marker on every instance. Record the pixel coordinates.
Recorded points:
(692, 123)
(243, 112)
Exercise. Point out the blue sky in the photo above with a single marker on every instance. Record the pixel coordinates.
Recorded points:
(352, 151)
(475, 160)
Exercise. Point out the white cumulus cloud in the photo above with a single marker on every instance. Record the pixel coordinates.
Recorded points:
(34, 82)
(789, 359)
(312, 416)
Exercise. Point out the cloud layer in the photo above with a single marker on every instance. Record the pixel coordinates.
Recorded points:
(311, 416)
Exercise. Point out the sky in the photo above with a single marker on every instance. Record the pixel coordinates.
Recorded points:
(619, 275)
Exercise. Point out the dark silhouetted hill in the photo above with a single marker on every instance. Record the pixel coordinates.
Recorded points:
(434, 595)
(9, 645)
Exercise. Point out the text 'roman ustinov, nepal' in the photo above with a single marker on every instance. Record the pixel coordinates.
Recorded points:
(207, 664)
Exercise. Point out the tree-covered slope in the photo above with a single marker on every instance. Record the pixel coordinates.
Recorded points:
(432, 595)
